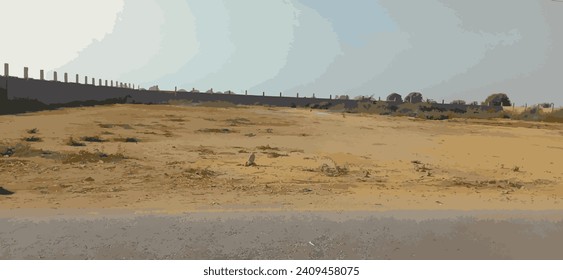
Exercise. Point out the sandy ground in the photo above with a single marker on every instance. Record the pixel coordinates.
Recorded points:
(192, 158)
(171, 182)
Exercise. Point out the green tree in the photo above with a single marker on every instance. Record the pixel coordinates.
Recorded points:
(498, 99)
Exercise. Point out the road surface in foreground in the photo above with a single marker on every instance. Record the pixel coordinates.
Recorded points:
(283, 235)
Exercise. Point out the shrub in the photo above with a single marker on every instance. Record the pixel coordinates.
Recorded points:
(498, 99)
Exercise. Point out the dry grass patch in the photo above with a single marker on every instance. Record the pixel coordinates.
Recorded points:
(267, 148)
(89, 157)
(238, 121)
(275, 154)
(110, 125)
(127, 140)
(32, 139)
(199, 173)
(216, 130)
(74, 143)
(94, 139)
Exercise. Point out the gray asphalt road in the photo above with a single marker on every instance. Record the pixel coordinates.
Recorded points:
(284, 235)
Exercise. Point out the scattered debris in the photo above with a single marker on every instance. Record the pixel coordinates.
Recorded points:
(311, 243)
(307, 190)
(8, 152)
(439, 202)
(33, 131)
(89, 179)
(269, 130)
(250, 135)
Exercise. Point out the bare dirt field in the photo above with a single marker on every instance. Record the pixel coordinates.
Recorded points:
(175, 182)
(175, 159)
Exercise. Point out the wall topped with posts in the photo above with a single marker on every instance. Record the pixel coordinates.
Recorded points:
(54, 92)
(26, 76)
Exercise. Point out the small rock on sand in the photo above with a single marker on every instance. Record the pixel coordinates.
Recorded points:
(251, 160)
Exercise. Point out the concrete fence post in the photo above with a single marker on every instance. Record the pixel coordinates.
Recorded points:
(93, 81)
(313, 95)
(298, 95)
(6, 70)
(85, 80)
(263, 93)
(280, 94)
(330, 97)
(42, 75)
(77, 78)
(66, 77)
(106, 83)
(246, 92)
(111, 83)
(26, 73)
(55, 76)
(100, 82)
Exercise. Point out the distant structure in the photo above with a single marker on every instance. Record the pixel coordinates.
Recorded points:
(414, 97)
(458, 102)
(154, 88)
(394, 97)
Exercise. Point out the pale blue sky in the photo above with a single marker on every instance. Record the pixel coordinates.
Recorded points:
(447, 49)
